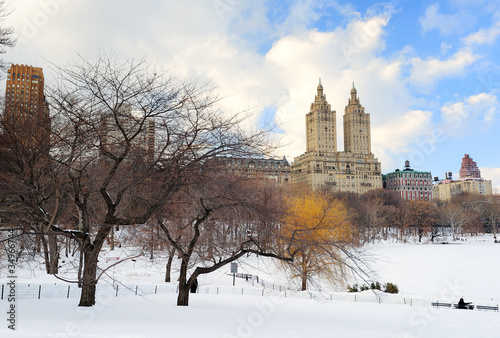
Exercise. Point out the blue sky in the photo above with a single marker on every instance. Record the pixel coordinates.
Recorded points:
(428, 72)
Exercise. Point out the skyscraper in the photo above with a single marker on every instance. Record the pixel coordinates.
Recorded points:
(469, 168)
(355, 169)
(26, 111)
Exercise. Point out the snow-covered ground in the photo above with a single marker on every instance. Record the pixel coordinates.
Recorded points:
(423, 273)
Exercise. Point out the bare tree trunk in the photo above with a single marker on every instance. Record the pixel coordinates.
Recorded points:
(38, 243)
(53, 255)
(183, 297)
(46, 257)
(112, 239)
(90, 259)
(169, 266)
(304, 281)
(89, 282)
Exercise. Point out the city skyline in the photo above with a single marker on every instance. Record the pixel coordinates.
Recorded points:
(426, 72)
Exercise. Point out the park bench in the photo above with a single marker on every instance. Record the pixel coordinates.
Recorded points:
(438, 304)
(467, 306)
(485, 307)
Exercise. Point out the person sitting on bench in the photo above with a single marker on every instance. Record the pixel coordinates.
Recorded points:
(462, 304)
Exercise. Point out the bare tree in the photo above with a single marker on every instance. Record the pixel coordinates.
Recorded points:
(30, 183)
(423, 217)
(456, 217)
(6, 33)
(219, 218)
(119, 176)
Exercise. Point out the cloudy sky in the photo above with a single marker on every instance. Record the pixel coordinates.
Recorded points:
(428, 72)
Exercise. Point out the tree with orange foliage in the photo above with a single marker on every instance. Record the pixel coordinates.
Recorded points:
(317, 229)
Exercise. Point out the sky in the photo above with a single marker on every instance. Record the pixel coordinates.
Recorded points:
(427, 72)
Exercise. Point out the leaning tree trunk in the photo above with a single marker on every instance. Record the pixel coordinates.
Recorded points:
(169, 266)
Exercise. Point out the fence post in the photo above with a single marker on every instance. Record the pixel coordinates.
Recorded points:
(411, 301)
(39, 291)
(156, 289)
(262, 292)
(2, 291)
(217, 290)
(136, 289)
(116, 291)
(354, 298)
(69, 286)
(242, 291)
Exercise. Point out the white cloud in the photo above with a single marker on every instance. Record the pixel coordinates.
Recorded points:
(492, 174)
(459, 117)
(427, 72)
(483, 36)
(211, 43)
(445, 23)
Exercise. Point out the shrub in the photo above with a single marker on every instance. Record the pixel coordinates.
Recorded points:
(391, 288)
(353, 288)
(375, 286)
(364, 288)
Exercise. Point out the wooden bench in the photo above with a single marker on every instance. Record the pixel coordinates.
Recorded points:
(467, 306)
(485, 307)
(438, 304)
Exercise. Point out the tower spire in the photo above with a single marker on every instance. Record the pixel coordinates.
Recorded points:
(320, 89)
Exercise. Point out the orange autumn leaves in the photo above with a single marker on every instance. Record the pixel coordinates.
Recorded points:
(318, 233)
(313, 218)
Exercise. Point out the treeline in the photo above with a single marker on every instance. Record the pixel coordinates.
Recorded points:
(381, 214)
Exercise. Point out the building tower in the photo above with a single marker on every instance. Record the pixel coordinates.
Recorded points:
(321, 132)
(357, 137)
(323, 167)
(469, 168)
(26, 110)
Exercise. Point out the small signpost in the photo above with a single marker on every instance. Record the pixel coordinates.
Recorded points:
(234, 270)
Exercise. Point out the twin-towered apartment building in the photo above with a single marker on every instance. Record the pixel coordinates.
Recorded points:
(355, 169)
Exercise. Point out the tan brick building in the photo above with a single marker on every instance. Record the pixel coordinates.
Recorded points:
(355, 169)
(447, 189)
(26, 110)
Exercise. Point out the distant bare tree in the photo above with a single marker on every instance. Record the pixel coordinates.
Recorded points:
(456, 217)
(423, 217)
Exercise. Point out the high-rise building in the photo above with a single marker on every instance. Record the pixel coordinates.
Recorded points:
(410, 184)
(124, 124)
(469, 168)
(26, 110)
(355, 169)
